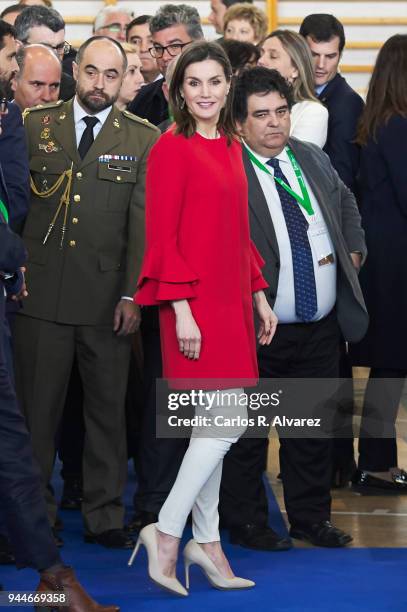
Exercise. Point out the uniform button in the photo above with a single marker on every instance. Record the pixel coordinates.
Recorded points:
(44, 168)
(75, 220)
(79, 175)
(72, 243)
(118, 178)
(77, 198)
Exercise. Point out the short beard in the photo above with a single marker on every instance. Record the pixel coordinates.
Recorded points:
(95, 106)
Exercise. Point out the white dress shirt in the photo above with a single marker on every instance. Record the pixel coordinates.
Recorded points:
(318, 235)
(79, 113)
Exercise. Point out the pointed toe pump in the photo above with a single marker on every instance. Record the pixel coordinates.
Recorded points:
(148, 538)
(194, 553)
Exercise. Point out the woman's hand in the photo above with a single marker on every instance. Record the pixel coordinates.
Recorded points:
(268, 320)
(188, 334)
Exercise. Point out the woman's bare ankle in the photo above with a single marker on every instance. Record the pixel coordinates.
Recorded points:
(167, 553)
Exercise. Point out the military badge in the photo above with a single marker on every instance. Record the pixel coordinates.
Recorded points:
(62, 116)
(45, 134)
(116, 123)
(48, 147)
(45, 120)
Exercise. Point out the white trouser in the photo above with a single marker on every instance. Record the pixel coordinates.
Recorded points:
(198, 481)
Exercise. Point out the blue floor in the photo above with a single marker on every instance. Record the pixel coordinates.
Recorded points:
(303, 579)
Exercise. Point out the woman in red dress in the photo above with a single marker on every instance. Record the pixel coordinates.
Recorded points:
(201, 268)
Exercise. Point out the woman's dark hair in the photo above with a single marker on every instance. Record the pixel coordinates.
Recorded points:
(240, 54)
(199, 52)
(261, 81)
(387, 93)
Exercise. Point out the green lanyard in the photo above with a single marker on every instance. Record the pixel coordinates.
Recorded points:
(305, 200)
(3, 211)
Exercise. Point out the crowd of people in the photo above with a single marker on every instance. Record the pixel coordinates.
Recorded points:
(167, 203)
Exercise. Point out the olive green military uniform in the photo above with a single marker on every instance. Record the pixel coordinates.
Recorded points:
(85, 238)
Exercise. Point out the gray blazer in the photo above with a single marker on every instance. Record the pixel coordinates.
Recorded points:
(338, 206)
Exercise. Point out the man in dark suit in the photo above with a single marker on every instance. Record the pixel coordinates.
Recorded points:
(14, 165)
(23, 507)
(326, 39)
(85, 235)
(13, 147)
(45, 26)
(312, 245)
(173, 27)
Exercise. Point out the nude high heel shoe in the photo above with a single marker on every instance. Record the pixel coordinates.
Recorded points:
(193, 553)
(148, 537)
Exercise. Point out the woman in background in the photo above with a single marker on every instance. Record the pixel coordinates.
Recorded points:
(245, 22)
(382, 135)
(202, 270)
(133, 80)
(287, 52)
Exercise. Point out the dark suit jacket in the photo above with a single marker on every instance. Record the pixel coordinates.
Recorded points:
(12, 250)
(68, 87)
(345, 107)
(341, 215)
(150, 103)
(14, 164)
(383, 206)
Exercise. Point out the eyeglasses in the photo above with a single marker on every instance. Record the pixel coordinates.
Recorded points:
(114, 28)
(173, 50)
(61, 49)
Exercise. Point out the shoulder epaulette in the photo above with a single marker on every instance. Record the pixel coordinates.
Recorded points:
(138, 119)
(41, 107)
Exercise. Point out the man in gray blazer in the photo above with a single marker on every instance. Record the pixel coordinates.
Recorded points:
(306, 225)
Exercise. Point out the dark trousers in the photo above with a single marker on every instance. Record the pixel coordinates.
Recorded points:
(343, 442)
(377, 441)
(158, 459)
(44, 356)
(303, 350)
(22, 501)
(71, 437)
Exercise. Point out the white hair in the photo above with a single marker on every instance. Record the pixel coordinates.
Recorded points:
(107, 10)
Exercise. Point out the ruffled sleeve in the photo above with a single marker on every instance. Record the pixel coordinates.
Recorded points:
(256, 263)
(165, 275)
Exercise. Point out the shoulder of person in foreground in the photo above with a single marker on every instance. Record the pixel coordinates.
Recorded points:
(34, 112)
(309, 153)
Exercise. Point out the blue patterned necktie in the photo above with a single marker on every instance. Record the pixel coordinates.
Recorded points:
(305, 290)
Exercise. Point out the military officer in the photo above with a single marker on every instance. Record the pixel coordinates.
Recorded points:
(85, 237)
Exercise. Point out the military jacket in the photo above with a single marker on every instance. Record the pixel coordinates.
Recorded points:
(85, 228)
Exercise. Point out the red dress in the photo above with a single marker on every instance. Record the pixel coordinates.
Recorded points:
(199, 248)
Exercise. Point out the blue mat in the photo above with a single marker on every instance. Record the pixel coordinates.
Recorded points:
(303, 579)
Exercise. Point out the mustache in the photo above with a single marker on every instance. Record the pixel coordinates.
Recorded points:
(98, 92)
